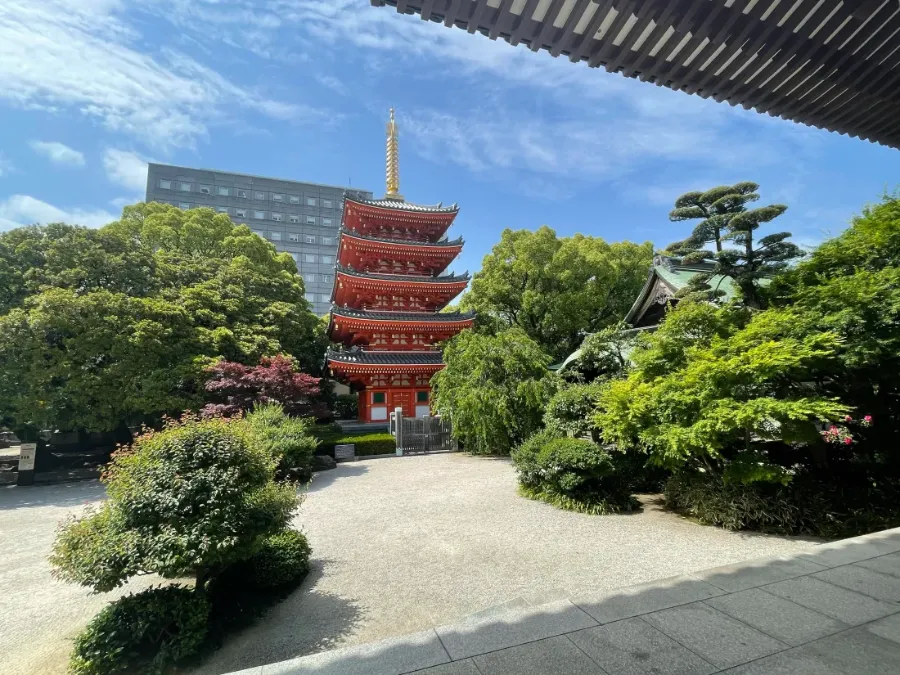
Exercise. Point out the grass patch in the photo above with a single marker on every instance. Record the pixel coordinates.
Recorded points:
(599, 507)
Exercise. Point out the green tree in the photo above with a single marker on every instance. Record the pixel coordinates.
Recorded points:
(555, 289)
(493, 389)
(715, 208)
(189, 500)
(103, 328)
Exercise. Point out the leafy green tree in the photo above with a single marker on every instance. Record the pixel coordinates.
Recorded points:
(715, 208)
(555, 289)
(603, 355)
(103, 328)
(740, 380)
(493, 389)
(189, 500)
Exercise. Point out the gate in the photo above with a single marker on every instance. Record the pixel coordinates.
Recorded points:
(424, 434)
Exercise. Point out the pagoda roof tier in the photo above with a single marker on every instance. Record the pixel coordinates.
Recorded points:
(358, 366)
(393, 331)
(384, 255)
(397, 219)
(395, 292)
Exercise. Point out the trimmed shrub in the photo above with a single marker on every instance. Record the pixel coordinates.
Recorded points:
(283, 558)
(571, 410)
(287, 439)
(144, 633)
(366, 444)
(346, 406)
(571, 473)
(803, 506)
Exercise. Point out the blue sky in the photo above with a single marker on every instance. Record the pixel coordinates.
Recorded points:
(92, 89)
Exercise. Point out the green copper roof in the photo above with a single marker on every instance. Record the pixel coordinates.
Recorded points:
(678, 278)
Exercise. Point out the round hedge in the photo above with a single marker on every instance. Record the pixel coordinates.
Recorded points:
(142, 634)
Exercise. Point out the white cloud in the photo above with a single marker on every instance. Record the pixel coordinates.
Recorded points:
(5, 165)
(70, 55)
(58, 153)
(126, 169)
(19, 210)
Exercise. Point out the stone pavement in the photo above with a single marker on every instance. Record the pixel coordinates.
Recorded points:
(834, 610)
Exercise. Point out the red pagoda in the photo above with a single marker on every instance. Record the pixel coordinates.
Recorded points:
(387, 296)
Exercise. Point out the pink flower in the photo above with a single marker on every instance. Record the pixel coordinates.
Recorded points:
(848, 440)
(848, 418)
(867, 418)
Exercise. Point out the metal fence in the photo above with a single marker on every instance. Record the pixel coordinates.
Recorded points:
(424, 434)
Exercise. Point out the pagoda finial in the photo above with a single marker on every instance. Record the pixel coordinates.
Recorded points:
(393, 161)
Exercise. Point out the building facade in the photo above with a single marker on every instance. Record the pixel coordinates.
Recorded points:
(302, 219)
(388, 295)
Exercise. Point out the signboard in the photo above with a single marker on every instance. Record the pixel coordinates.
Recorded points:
(342, 452)
(27, 452)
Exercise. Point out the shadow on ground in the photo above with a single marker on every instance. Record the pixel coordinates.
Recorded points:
(62, 495)
(322, 479)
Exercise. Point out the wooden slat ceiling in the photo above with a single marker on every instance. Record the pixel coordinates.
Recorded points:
(831, 64)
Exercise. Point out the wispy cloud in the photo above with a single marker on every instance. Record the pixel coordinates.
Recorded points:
(6, 166)
(58, 153)
(82, 56)
(19, 210)
(126, 169)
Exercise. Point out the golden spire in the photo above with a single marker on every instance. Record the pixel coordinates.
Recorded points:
(393, 161)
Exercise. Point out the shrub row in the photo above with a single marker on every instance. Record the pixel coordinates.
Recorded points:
(571, 473)
(366, 444)
(804, 506)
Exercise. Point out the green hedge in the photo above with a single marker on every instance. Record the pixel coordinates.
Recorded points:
(571, 473)
(366, 444)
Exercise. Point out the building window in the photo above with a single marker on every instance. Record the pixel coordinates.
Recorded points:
(293, 236)
(310, 220)
(295, 199)
(277, 217)
(421, 397)
(165, 184)
(311, 278)
(327, 241)
(223, 191)
(327, 260)
(309, 239)
(326, 203)
(184, 205)
(277, 197)
(309, 258)
(294, 218)
(294, 256)
(259, 195)
(378, 397)
(275, 236)
(327, 279)
(259, 233)
(325, 297)
(205, 190)
(222, 209)
(310, 201)
(311, 297)
(259, 215)
(326, 222)
(242, 194)
(240, 213)
(184, 187)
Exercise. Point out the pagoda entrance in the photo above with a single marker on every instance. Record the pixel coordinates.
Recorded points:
(402, 398)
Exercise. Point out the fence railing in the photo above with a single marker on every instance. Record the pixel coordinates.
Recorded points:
(422, 434)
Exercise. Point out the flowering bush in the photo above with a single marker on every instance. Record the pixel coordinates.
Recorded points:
(841, 435)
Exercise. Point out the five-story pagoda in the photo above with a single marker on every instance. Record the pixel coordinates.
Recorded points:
(387, 296)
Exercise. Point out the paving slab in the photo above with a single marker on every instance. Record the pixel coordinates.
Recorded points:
(555, 655)
(466, 667)
(838, 603)
(388, 657)
(888, 628)
(853, 652)
(862, 580)
(886, 564)
(755, 573)
(514, 628)
(634, 647)
(713, 635)
(625, 603)
(782, 619)
(853, 550)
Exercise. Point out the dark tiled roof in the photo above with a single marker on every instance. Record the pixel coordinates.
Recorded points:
(402, 316)
(399, 205)
(437, 244)
(385, 358)
(449, 279)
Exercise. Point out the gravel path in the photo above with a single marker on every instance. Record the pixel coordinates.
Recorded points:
(401, 545)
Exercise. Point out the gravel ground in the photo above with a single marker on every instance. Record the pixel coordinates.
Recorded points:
(401, 545)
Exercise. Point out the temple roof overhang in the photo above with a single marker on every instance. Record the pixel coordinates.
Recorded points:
(355, 326)
(401, 318)
(403, 243)
(404, 279)
(361, 363)
(397, 220)
(395, 205)
(832, 64)
(385, 255)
